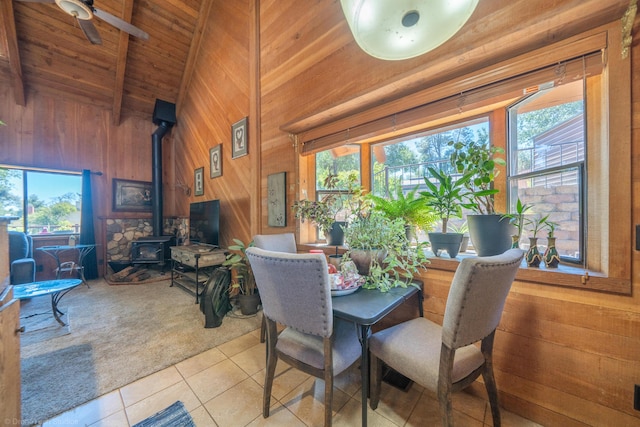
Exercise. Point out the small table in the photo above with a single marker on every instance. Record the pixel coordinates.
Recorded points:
(55, 251)
(366, 307)
(56, 288)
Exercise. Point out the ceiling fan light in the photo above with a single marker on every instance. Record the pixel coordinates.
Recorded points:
(76, 8)
(403, 29)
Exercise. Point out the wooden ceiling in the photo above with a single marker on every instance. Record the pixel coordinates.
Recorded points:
(43, 49)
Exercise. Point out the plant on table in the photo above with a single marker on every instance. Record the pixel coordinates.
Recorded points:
(392, 261)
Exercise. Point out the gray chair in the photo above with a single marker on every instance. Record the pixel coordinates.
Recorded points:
(295, 293)
(444, 358)
(283, 242)
(22, 264)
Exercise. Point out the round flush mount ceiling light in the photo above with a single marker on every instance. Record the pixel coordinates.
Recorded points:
(402, 29)
(75, 8)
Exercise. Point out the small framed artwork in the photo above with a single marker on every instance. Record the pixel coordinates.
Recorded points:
(239, 139)
(198, 181)
(276, 199)
(215, 161)
(134, 196)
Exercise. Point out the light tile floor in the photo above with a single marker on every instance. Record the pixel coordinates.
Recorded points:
(223, 387)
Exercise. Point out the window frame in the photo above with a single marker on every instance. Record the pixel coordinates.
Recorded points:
(25, 196)
(609, 171)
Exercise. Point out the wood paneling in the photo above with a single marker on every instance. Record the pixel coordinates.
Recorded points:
(563, 356)
(58, 134)
(218, 96)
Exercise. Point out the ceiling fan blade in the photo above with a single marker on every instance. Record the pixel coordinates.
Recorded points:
(37, 1)
(89, 31)
(120, 24)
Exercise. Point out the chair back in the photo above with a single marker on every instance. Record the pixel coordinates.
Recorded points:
(19, 246)
(294, 289)
(283, 242)
(477, 296)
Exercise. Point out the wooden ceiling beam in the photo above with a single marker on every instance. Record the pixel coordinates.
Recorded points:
(121, 65)
(194, 49)
(9, 28)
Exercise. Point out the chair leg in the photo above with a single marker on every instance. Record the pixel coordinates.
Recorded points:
(272, 359)
(444, 385)
(375, 382)
(263, 330)
(328, 381)
(489, 379)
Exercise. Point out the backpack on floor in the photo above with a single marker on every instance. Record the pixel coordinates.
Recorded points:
(214, 300)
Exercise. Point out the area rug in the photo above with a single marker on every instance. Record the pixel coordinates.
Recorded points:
(118, 334)
(174, 416)
(39, 323)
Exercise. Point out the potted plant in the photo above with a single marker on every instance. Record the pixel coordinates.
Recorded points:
(408, 207)
(551, 257)
(464, 230)
(446, 200)
(323, 213)
(243, 281)
(490, 232)
(533, 255)
(518, 220)
(380, 249)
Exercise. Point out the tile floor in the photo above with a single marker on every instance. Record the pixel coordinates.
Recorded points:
(223, 387)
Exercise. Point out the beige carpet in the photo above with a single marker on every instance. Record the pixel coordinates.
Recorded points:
(116, 335)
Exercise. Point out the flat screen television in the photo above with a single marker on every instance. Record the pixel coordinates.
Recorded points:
(204, 222)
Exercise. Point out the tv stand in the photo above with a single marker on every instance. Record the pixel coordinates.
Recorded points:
(192, 265)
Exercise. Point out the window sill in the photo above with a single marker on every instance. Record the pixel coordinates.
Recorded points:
(565, 275)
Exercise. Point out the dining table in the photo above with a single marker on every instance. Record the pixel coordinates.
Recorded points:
(365, 308)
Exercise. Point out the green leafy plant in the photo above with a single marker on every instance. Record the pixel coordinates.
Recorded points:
(378, 233)
(409, 207)
(243, 279)
(324, 212)
(518, 217)
(551, 226)
(461, 229)
(537, 224)
(448, 197)
(481, 161)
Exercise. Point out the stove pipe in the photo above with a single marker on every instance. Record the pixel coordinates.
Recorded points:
(164, 115)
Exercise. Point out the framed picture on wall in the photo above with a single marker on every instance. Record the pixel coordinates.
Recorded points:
(276, 199)
(215, 161)
(134, 196)
(239, 138)
(198, 181)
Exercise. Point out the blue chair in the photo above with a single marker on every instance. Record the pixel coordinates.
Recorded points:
(23, 266)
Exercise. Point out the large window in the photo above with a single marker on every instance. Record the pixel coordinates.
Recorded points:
(342, 162)
(547, 162)
(561, 113)
(45, 202)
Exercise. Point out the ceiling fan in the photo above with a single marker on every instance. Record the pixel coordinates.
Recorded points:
(84, 11)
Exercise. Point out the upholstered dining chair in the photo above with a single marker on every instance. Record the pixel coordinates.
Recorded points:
(444, 358)
(296, 294)
(282, 242)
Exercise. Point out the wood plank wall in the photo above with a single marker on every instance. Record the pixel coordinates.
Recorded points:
(218, 96)
(68, 136)
(563, 357)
